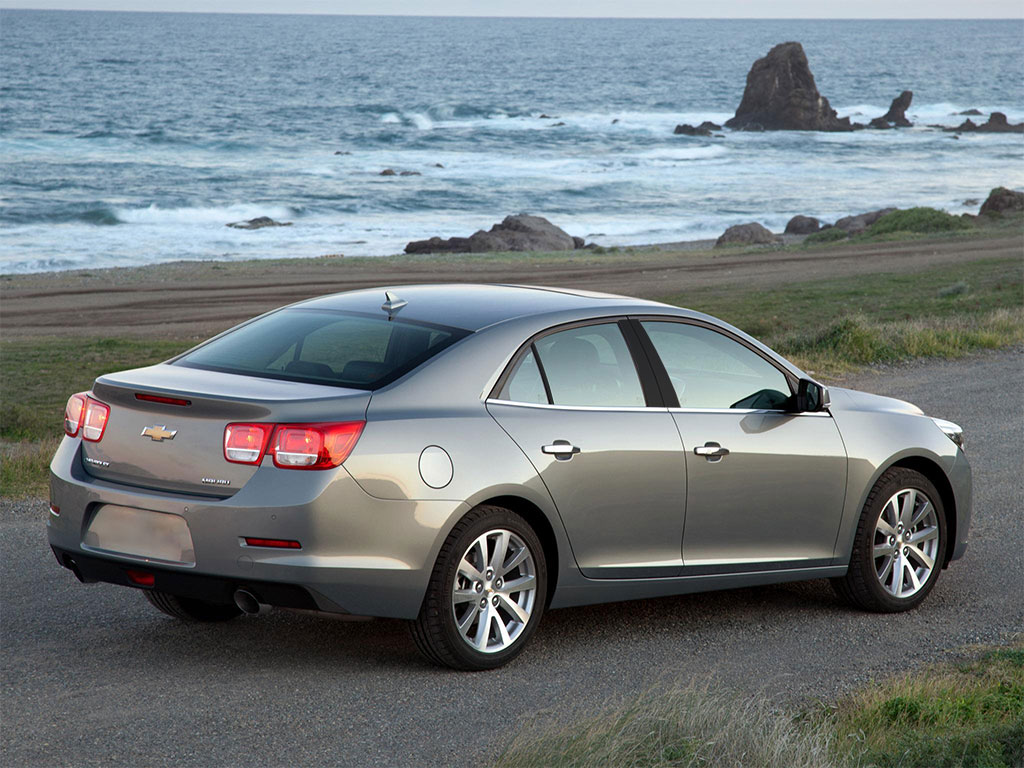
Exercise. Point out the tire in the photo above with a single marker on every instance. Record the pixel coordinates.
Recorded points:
(190, 609)
(894, 566)
(468, 588)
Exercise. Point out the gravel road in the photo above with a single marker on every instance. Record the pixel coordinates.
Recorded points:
(93, 675)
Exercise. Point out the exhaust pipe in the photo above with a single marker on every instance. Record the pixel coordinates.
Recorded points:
(246, 601)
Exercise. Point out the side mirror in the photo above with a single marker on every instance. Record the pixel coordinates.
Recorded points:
(811, 396)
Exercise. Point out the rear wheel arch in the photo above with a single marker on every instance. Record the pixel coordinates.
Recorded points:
(938, 478)
(541, 526)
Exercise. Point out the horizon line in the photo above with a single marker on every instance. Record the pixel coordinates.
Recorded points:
(526, 17)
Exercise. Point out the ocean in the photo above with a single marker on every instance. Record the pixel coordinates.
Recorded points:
(133, 138)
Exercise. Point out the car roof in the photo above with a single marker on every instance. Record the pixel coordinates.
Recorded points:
(476, 306)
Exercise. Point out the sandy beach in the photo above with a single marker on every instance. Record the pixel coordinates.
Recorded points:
(197, 299)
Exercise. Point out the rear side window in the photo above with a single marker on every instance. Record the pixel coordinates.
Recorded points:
(585, 366)
(324, 347)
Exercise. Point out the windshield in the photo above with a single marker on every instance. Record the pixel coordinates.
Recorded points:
(320, 346)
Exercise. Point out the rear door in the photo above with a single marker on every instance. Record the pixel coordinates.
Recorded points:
(765, 486)
(575, 405)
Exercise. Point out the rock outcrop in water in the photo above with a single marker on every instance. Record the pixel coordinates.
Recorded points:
(781, 95)
(704, 129)
(521, 232)
(1002, 201)
(896, 116)
(258, 223)
(747, 234)
(997, 123)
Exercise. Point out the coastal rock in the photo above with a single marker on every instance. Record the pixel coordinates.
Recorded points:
(579, 242)
(855, 224)
(1002, 201)
(972, 112)
(521, 232)
(997, 123)
(781, 95)
(410, 173)
(704, 129)
(388, 172)
(747, 234)
(879, 123)
(258, 223)
(802, 225)
(897, 112)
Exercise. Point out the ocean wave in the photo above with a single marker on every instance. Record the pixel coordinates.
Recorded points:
(940, 113)
(155, 214)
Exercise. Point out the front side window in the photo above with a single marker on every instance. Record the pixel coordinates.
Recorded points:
(324, 347)
(710, 370)
(585, 366)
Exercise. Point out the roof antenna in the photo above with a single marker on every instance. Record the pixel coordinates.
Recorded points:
(393, 304)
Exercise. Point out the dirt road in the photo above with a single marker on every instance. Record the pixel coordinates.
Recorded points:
(198, 299)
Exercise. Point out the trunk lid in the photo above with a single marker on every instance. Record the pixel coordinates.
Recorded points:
(192, 459)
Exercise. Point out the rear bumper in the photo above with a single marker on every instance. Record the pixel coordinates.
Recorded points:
(359, 554)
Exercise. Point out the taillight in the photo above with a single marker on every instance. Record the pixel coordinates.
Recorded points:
(246, 443)
(314, 446)
(73, 413)
(94, 422)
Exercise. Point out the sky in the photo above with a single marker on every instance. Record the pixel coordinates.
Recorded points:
(720, 9)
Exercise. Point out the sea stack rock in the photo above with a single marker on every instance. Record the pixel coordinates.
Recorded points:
(747, 234)
(521, 232)
(258, 223)
(1003, 201)
(897, 113)
(781, 96)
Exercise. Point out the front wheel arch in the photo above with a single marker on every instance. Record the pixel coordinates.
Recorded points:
(938, 478)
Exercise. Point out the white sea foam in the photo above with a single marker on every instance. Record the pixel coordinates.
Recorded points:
(222, 215)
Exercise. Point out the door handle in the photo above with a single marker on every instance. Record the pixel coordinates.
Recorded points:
(562, 450)
(711, 451)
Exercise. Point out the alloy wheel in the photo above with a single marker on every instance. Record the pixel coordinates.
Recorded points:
(906, 543)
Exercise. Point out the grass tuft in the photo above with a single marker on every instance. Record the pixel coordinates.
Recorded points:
(830, 235)
(682, 726)
(918, 220)
(24, 468)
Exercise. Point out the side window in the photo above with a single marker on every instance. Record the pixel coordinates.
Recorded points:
(710, 370)
(525, 385)
(591, 366)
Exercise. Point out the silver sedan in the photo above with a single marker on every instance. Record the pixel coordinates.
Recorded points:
(468, 456)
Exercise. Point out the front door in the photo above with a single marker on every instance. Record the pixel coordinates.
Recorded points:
(575, 406)
(765, 486)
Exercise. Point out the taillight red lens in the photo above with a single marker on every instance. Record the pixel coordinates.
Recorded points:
(73, 413)
(315, 446)
(246, 443)
(94, 422)
(252, 541)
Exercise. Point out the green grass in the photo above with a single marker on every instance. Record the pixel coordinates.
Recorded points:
(833, 325)
(955, 715)
(966, 715)
(36, 378)
(919, 220)
(830, 235)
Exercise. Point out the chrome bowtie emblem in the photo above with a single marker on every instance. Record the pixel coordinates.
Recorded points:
(159, 432)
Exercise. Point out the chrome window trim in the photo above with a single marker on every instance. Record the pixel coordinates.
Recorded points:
(549, 407)
(825, 414)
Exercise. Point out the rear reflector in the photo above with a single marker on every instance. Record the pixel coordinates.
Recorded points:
(251, 541)
(73, 413)
(161, 399)
(54, 510)
(246, 443)
(141, 578)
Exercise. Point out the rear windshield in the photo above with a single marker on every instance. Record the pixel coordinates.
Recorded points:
(324, 347)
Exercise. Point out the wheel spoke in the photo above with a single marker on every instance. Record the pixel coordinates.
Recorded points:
(912, 572)
(907, 510)
(500, 552)
(502, 630)
(467, 620)
(881, 550)
(514, 608)
(517, 558)
(926, 561)
(464, 596)
(522, 584)
(897, 576)
(926, 507)
(469, 571)
(884, 527)
(883, 575)
(925, 534)
(483, 629)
